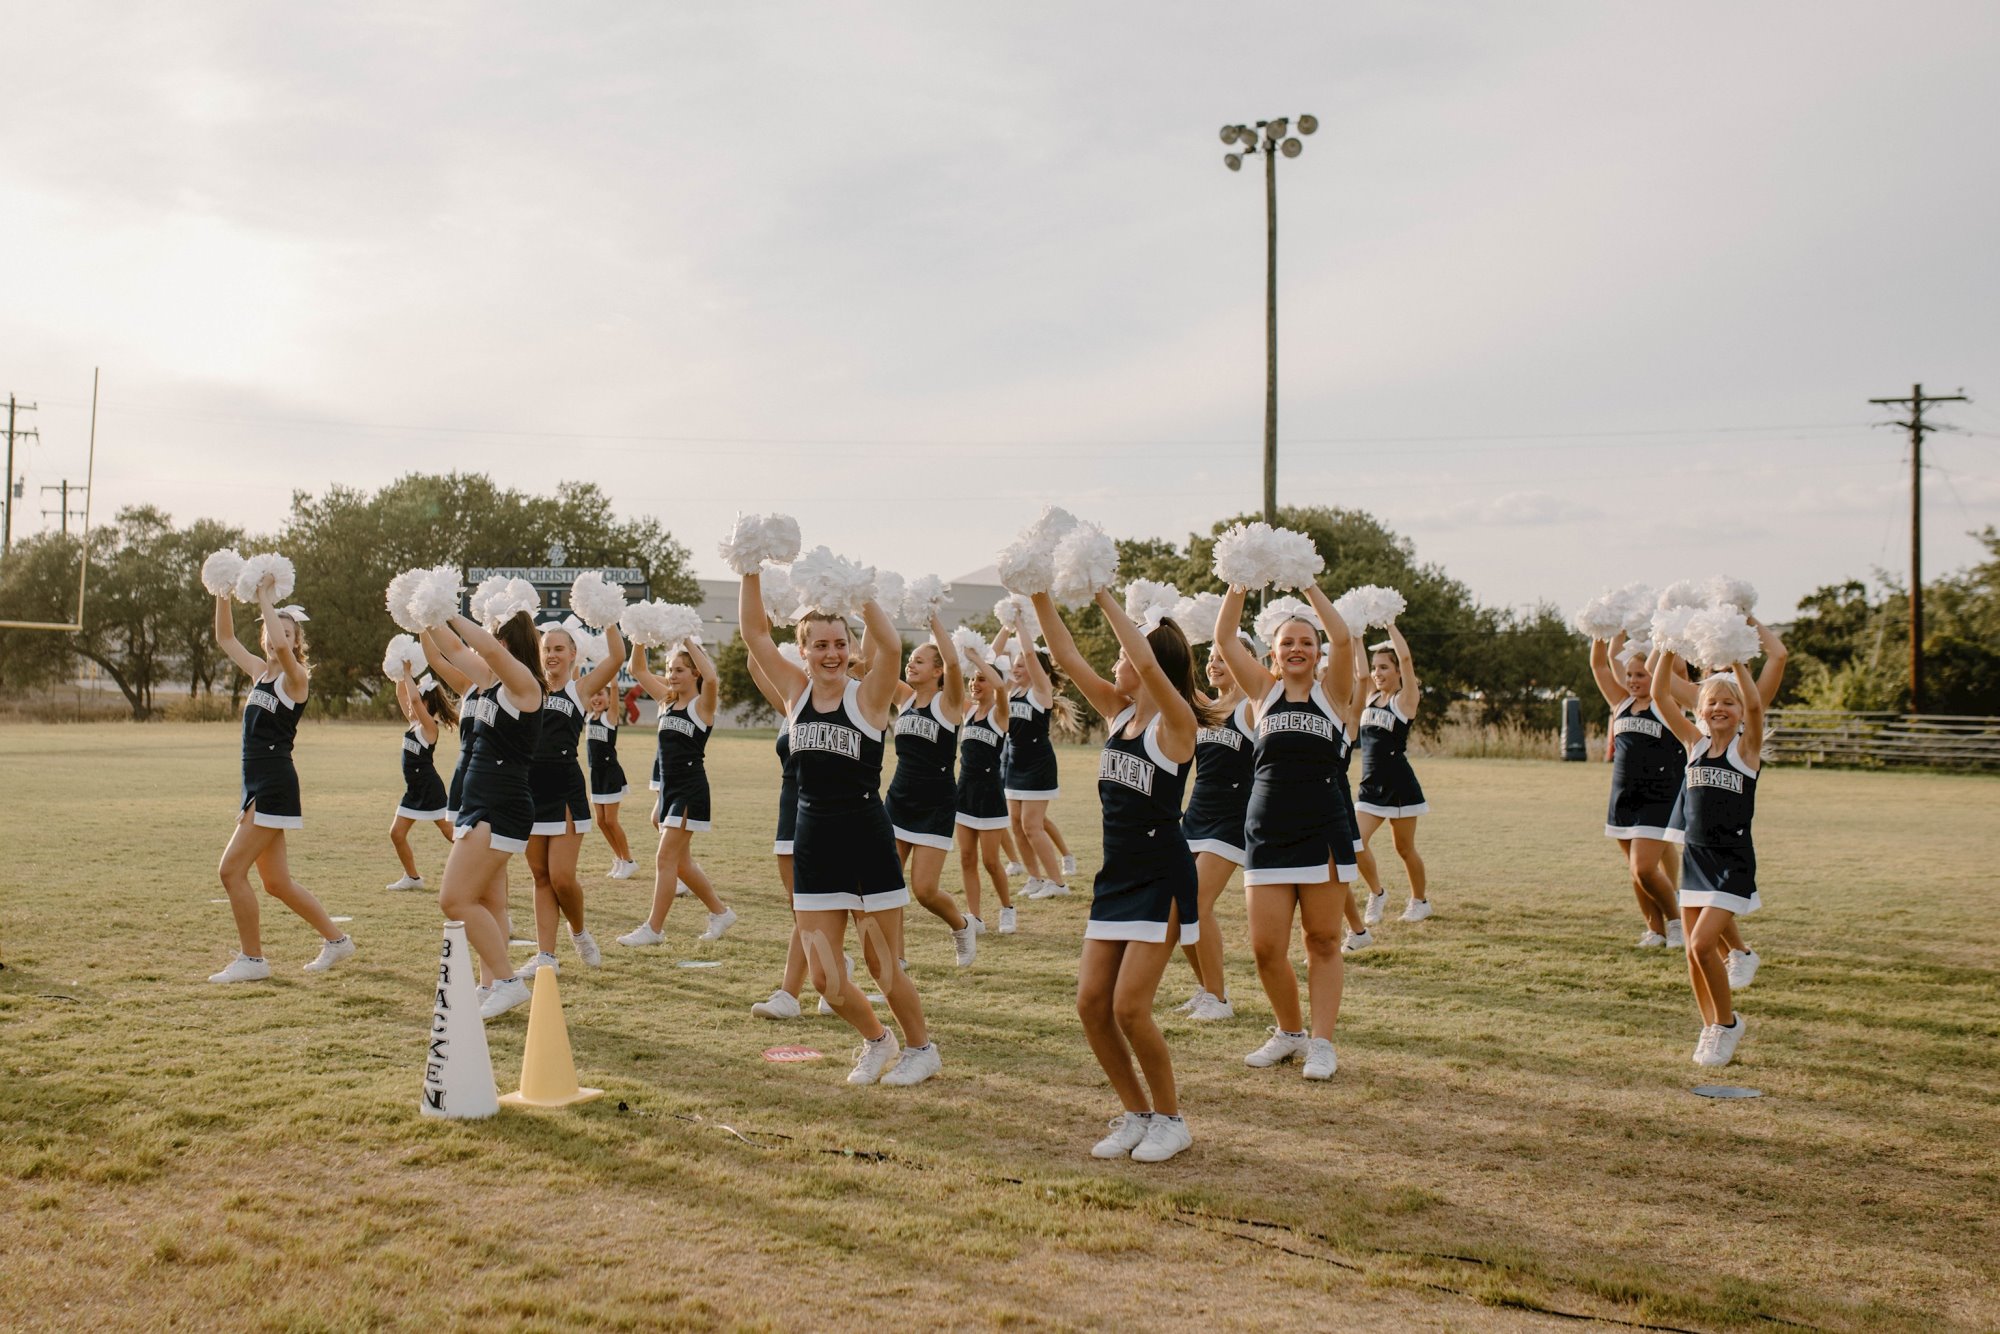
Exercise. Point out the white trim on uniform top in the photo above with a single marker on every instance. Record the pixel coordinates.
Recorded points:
(1389, 702)
(923, 840)
(609, 798)
(680, 821)
(965, 821)
(557, 828)
(1645, 831)
(1149, 739)
(500, 842)
(277, 684)
(1023, 794)
(1229, 852)
(853, 710)
(263, 821)
(408, 814)
(781, 847)
(1288, 875)
(1709, 898)
(882, 902)
(1393, 812)
(1148, 933)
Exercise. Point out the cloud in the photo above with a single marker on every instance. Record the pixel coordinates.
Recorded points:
(1512, 509)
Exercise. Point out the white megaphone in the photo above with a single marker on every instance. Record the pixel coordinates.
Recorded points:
(458, 1071)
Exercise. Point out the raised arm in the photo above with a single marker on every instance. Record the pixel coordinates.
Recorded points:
(1039, 682)
(514, 676)
(1602, 655)
(417, 711)
(403, 695)
(1409, 695)
(1753, 715)
(231, 646)
(884, 671)
(954, 675)
(710, 686)
(754, 623)
(998, 718)
(642, 672)
(448, 656)
(1103, 696)
(1677, 722)
(1339, 667)
(1252, 677)
(1177, 720)
(282, 657)
(764, 687)
(1775, 653)
(602, 675)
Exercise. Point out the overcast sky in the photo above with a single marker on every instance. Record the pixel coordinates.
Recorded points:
(1570, 293)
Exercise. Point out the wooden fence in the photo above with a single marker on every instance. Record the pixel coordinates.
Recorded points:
(1882, 740)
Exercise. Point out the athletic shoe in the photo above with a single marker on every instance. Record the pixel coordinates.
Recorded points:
(965, 943)
(1357, 941)
(1676, 935)
(1165, 1137)
(681, 890)
(782, 1005)
(1068, 864)
(1703, 1043)
(1127, 1133)
(1320, 1060)
(1006, 921)
(873, 1057)
(586, 948)
(1187, 1006)
(406, 882)
(641, 935)
(1371, 913)
(1279, 1048)
(536, 964)
(505, 995)
(917, 1065)
(1015, 870)
(978, 927)
(1046, 889)
(1742, 968)
(331, 953)
(719, 924)
(1723, 1050)
(847, 962)
(1208, 1005)
(1417, 911)
(622, 870)
(825, 1008)
(481, 992)
(1650, 940)
(242, 968)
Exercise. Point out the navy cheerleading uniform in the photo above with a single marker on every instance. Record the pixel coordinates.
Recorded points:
(496, 791)
(922, 798)
(1028, 760)
(1389, 786)
(270, 782)
(1348, 817)
(981, 802)
(562, 802)
(788, 793)
(455, 792)
(1293, 826)
(843, 848)
(683, 749)
(1719, 868)
(1647, 767)
(1148, 874)
(423, 791)
(1224, 761)
(607, 775)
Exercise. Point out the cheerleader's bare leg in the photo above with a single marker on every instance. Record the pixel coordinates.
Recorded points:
(1708, 968)
(881, 948)
(1650, 884)
(563, 853)
(545, 893)
(795, 952)
(967, 840)
(246, 845)
(1403, 829)
(1116, 983)
(823, 936)
(399, 839)
(926, 871)
(990, 841)
(1212, 873)
(274, 869)
(1055, 835)
(1320, 921)
(1271, 909)
(698, 882)
(667, 873)
(1031, 827)
(614, 833)
(444, 828)
(469, 874)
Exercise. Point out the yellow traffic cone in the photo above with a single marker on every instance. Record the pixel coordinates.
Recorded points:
(548, 1071)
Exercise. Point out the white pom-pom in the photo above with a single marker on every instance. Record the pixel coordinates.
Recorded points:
(596, 599)
(1635, 648)
(283, 577)
(1369, 604)
(483, 592)
(397, 599)
(1670, 630)
(1721, 637)
(397, 660)
(1637, 604)
(1027, 564)
(780, 600)
(1008, 610)
(1149, 598)
(1086, 560)
(1018, 615)
(640, 623)
(1196, 616)
(1279, 610)
(514, 597)
(1737, 593)
(831, 584)
(1295, 561)
(889, 588)
(1243, 556)
(434, 599)
(1683, 593)
(790, 653)
(219, 571)
(591, 648)
(972, 648)
(758, 538)
(924, 598)
(1600, 618)
(677, 622)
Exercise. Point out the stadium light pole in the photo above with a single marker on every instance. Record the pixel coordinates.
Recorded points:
(1272, 138)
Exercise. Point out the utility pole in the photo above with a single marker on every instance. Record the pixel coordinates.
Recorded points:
(1917, 426)
(13, 486)
(64, 509)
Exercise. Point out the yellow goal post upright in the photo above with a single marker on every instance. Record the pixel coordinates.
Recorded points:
(89, 495)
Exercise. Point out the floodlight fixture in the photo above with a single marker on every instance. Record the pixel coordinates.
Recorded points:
(1233, 161)
(1291, 148)
(1307, 124)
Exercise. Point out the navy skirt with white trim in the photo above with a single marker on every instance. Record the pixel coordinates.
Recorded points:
(1145, 879)
(499, 798)
(562, 803)
(1720, 877)
(271, 784)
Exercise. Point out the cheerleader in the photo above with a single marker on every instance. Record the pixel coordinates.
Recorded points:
(784, 1002)
(981, 802)
(271, 805)
(1213, 825)
(844, 849)
(1028, 764)
(1389, 788)
(1719, 870)
(686, 698)
(1647, 767)
(607, 777)
(1300, 851)
(1144, 897)
(426, 706)
(922, 796)
(444, 651)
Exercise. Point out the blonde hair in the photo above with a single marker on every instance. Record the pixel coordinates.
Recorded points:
(1719, 683)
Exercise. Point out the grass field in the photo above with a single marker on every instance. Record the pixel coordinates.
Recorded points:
(1510, 1141)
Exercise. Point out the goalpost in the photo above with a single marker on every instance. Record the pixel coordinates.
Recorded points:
(89, 494)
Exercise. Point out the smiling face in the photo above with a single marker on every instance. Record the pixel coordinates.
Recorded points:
(1638, 681)
(1387, 674)
(925, 667)
(600, 701)
(981, 687)
(824, 645)
(1721, 708)
(1295, 650)
(558, 656)
(1017, 671)
(683, 682)
(1218, 670)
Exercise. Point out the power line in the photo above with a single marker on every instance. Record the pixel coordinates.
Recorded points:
(11, 486)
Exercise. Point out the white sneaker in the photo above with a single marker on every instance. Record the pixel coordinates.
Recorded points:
(1127, 1133)
(1723, 1050)
(681, 890)
(719, 924)
(1006, 921)
(505, 995)
(847, 963)
(917, 1065)
(1208, 1006)
(1165, 1137)
(331, 953)
(1371, 912)
(965, 943)
(1676, 936)
(242, 968)
(586, 948)
(406, 882)
(873, 1058)
(622, 870)
(782, 1005)
(1279, 1048)
(1357, 941)
(825, 1008)
(481, 992)
(1417, 911)
(1742, 968)
(978, 927)
(1015, 870)
(1651, 940)
(1046, 889)
(1320, 1060)
(536, 964)
(1069, 864)
(1187, 1006)
(641, 936)
(1703, 1043)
